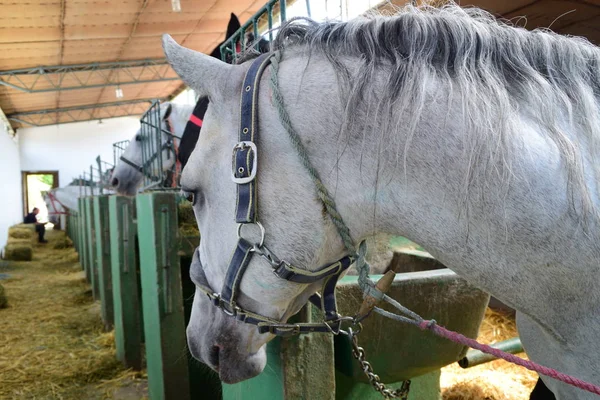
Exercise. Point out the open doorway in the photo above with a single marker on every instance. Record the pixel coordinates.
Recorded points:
(35, 184)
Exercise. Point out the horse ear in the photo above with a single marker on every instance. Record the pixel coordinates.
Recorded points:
(207, 75)
(233, 26)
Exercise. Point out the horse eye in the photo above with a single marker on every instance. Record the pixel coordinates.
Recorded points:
(190, 196)
(138, 138)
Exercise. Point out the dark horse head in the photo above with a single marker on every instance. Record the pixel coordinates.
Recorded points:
(192, 129)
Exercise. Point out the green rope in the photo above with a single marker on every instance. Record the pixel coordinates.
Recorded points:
(362, 266)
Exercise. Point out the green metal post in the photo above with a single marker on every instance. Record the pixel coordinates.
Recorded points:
(126, 289)
(91, 246)
(101, 225)
(164, 325)
(83, 243)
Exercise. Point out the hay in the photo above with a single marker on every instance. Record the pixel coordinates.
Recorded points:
(18, 252)
(20, 233)
(3, 299)
(62, 242)
(187, 220)
(52, 344)
(185, 213)
(496, 380)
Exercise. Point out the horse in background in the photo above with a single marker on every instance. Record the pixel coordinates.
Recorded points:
(61, 201)
(128, 174)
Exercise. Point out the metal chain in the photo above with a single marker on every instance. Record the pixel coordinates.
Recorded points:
(359, 353)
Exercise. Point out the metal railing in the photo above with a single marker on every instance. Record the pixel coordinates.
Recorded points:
(97, 177)
(159, 159)
(260, 23)
(118, 150)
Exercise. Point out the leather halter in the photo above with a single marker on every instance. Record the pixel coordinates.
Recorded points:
(245, 164)
(168, 145)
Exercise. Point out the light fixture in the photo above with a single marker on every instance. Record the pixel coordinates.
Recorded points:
(176, 5)
(119, 92)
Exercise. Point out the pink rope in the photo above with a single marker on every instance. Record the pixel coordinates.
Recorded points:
(458, 338)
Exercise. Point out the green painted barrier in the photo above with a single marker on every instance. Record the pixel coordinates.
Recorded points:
(301, 367)
(103, 266)
(172, 372)
(90, 233)
(83, 248)
(125, 280)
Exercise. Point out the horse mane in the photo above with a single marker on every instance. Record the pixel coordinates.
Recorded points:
(498, 71)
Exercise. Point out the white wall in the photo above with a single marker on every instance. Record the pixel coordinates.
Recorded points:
(10, 186)
(72, 148)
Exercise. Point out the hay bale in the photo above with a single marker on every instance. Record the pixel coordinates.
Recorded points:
(31, 227)
(3, 300)
(12, 240)
(21, 233)
(18, 252)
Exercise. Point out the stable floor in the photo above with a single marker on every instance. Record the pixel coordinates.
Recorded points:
(52, 344)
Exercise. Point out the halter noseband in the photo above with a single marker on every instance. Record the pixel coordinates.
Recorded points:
(245, 163)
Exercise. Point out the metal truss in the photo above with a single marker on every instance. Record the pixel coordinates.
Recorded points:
(80, 113)
(86, 76)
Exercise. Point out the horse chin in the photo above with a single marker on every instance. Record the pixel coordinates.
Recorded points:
(232, 366)
(128, 188)
(233, 369)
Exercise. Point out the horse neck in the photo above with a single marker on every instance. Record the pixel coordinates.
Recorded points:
(486, 227)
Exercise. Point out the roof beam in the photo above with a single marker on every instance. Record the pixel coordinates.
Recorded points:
(52, 78)
(82, 113)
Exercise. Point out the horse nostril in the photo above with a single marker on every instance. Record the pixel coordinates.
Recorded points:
(115, 182)
(214, 356)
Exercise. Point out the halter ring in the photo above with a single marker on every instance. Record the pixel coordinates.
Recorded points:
(262, 233)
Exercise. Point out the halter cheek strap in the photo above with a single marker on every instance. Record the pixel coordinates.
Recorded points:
(244, 170)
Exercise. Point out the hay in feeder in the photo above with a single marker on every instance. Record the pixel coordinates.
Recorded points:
(495, 380)
(187, 220)
(18, 252)
(3, 299)
(52, 343)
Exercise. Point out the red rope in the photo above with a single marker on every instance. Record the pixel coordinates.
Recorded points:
(530, 365)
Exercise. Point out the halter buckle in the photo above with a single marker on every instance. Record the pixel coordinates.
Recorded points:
(243, 145)
(283, 330)
(232, 311)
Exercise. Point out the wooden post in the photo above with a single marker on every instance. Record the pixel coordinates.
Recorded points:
(126, 289)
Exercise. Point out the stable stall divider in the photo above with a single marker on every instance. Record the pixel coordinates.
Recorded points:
(125, 279)
(162, 303)
(83, 248)
(167, 293)
(91, 246)
(103, 262)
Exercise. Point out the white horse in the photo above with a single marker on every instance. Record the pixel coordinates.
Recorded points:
(128, 173)
(475, 139)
